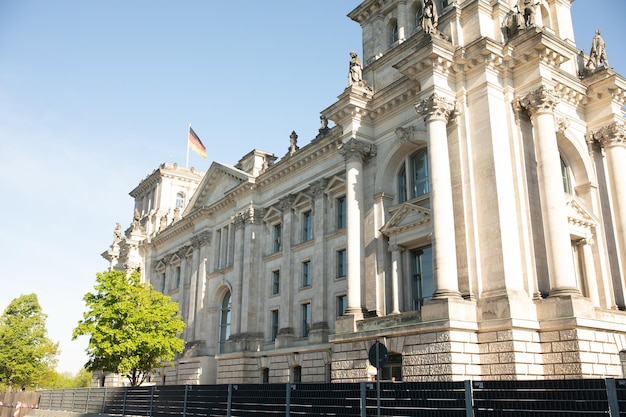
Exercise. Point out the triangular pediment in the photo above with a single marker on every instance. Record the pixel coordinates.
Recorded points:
(336, 185)
(578, 215)
(405, 217)
(160, 266)
(272, 214)
(302, 200)
(216, 183)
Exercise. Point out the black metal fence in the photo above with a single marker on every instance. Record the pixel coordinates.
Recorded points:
(550, 398)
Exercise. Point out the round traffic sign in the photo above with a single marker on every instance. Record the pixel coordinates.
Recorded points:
(378, 354)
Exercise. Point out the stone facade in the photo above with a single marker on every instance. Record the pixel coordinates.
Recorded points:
(467, 209)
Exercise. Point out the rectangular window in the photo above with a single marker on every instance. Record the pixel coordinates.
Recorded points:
(306, 273)
(162, 282)
(342, 263)
(274, 329)
(342, 303)
(306, 319)
(275, 282)
(423, 277)
(278, 246)
(307, 226)
(341, 213)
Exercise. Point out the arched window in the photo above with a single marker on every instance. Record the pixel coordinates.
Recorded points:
(418, 16)
(180, 200)
(567, 187)
(413, 177)
(224, 321)
(394, 34)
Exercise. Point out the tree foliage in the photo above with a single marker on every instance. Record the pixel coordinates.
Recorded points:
(26, 353)
(132, 327)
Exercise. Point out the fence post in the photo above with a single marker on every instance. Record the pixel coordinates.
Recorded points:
(124, 402)
(88, 397)
(611, 394)
(151, 400)
(230, 401)
(104, 399)
(469, 398)
(185, 400)
(288, 400)
(363, 399)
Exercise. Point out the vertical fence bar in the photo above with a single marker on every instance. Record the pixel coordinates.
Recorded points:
(229, 409)
(469, 398)
(611, 393)
(124, 401)
(287, 400)
(363, 399)
(87, 402)
(151, 401)
(187, 386)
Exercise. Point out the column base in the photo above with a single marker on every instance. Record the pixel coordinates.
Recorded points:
(348, 322)
(453, 308)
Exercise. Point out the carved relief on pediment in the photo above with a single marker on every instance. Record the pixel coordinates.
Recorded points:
(581, 219)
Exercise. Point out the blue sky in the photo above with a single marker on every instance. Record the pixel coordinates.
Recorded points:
(94, 95)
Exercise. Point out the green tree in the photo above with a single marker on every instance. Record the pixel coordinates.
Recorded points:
(26, 353)
(132, 327)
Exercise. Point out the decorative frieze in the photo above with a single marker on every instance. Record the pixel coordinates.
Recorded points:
(436, 107)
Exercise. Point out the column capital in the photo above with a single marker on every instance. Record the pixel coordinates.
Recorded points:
(585, 241)
(541, 100)
(318, 187)
(286, 203)
(611, 135)
(394, 247)
(357, 150)
(200, 239)
(436, 107)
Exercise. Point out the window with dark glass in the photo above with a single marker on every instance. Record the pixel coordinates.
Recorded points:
(296, 374)
(342, 304)
(265, 375)
(565, 174)
(394, 34)
(275, 282)
(177, 277)
(274, 321)
(224, 329)
(392, 371)
(414, 172)
(341, 212)
(306, 273)
(307, 226)
(278, 231)
(423, 278)
(306, 319)
(342, 263)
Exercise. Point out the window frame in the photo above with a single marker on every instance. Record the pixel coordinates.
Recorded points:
(305, 322)
(306, 273)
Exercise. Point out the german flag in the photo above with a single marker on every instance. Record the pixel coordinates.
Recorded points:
(196, 144)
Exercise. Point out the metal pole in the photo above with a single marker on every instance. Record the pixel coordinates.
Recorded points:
(469, 399)
(377, 379)
(611, 393)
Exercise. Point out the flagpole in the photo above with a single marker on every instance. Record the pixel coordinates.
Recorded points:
(187, 160)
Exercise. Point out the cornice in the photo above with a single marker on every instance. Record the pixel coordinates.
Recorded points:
(535, 44)
(432, 53)
(393, 97)
(172, 231)
(484, 52)
(167, 171)
(368, 8)
(304, 157)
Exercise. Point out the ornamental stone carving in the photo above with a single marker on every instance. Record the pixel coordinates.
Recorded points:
(542, 100)
(436, 107)
(286, 203)
(203, 238)
(357, 150)
(611, 135)
(318, 187)
(404, 134)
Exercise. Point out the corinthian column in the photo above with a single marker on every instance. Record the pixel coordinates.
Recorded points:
(613, 140)
(436, 111)
(355, 153)
(540, 106)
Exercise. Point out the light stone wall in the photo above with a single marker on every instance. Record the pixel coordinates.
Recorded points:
(503, 313)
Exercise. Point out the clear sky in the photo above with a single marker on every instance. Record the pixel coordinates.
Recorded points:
(94, 95)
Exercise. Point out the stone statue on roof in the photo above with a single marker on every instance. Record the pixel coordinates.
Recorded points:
(597, 55)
